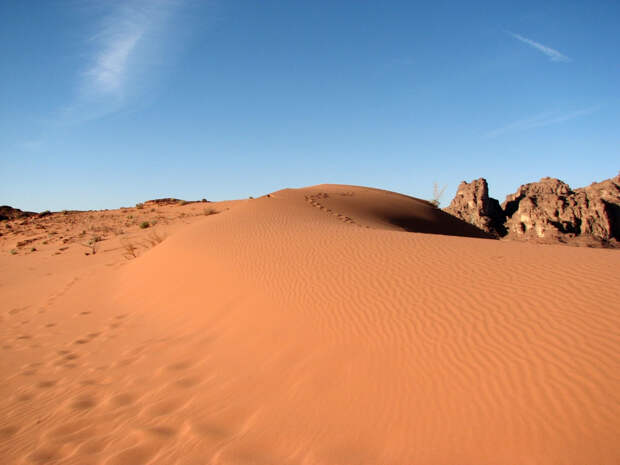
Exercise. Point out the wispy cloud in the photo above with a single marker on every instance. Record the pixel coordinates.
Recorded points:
(108, 72)
(553, 54)
(123, 49)
(540, 120)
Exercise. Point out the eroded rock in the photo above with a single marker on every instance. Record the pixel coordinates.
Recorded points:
(545, 211)
(473, 205)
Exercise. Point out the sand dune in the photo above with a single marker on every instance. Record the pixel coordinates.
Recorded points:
(322, 325)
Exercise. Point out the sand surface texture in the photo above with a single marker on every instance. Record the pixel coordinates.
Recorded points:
(322, 325)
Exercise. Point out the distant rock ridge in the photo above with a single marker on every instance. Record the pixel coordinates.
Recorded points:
(547, 211)
(10, 213)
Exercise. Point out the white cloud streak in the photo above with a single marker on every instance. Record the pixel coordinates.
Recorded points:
(538, 121)
(553, 54)
(124, 57)
(108, 72)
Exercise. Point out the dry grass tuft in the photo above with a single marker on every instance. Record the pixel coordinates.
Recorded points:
(130, 250)
(154, 238)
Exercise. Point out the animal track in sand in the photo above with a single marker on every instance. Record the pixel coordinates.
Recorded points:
(46, 384)
(84, 402)
(17, 310)
(7, 431)
(124, 399)
(314, 201)
(164, 432)
(25, 397)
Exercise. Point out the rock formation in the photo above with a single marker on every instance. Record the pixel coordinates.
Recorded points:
(473, 205)
(545, 211)
(10, 213)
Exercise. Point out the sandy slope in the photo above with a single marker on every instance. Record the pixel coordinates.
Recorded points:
(308, 327)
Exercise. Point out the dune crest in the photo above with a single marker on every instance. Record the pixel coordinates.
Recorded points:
(322, 325)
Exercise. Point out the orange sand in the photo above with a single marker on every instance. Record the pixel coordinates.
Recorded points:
(308, 327)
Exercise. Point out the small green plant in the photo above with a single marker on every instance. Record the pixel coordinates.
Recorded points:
(144, 225)
(33, 249)
(153, 222)
(140, 206)
(13, 252)
(209, 211)
(130, 217)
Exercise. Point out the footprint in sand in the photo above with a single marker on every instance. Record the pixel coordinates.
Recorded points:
(84, 402)
(46, 384)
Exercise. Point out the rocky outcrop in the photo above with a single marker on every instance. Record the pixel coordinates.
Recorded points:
(10, 213)
(545, 211)
(473, 205)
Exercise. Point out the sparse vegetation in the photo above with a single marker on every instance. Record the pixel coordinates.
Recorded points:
(154, 238)
(437, 194)
(140, 206)
(183, 202)
(144, 225)
(13, 252)
(91, 244)
(33, 249)
(130, 250)
(210, 211)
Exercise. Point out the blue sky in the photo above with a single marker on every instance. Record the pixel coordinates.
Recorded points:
(107, 103)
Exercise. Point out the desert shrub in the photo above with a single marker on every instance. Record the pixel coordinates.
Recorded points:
(144, 225)
(140, 206)
(13, 252)
(437, 194)
(209, 211)
(154, 238)
(130, 250)
(183, 202)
